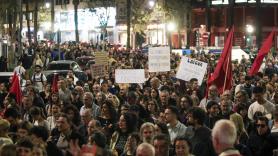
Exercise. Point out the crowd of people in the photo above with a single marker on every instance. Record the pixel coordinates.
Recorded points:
(164, 116)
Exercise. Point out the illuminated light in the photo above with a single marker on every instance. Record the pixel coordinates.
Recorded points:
(151, 3)
(249, 28)
(47, 25)
(47, 5)
(171, 26)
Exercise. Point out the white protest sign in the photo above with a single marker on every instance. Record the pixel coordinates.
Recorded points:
(191, 68)
(130, 75)
(159, 59)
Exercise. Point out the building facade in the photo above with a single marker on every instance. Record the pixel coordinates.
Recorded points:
(253, 20)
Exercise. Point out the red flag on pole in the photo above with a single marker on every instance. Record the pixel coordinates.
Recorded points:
(261, 54)
(54, 87)
(222, 75)
(15, 88)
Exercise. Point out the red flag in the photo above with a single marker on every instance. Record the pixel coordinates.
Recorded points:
(54, 87)
(15, 88)
(222, 75)
(261, 54)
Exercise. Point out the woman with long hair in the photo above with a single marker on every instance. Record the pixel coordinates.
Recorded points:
(53, 100)
(107, 118)
(73, 115)
(152, 109)
(55, 110)
(126, 125)
(154, 94)
(38, 117)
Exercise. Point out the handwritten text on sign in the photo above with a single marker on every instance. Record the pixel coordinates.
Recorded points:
(101, 58)
(190, 68)
(130, 75)
(98, 70)
(159, 59)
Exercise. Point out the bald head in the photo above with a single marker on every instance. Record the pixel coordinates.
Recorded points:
(145, 149)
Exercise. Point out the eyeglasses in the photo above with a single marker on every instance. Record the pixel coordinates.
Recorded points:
(261, 125)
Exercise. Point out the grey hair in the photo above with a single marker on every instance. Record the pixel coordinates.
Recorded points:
(89, 94)
(148, 148)
(225, 132)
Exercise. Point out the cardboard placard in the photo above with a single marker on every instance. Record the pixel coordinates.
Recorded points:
(159, 59)
(191, 68)
(130, 75)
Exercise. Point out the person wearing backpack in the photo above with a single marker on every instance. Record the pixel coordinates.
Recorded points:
(39, 79)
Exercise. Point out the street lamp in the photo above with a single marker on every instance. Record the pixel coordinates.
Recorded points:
(171, 26)
(151, 3)
(47, 5)
(249, 28)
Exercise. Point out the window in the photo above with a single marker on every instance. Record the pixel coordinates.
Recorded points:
(58, 67)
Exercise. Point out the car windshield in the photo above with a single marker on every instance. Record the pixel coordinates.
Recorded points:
(58, 67)
(83, 61)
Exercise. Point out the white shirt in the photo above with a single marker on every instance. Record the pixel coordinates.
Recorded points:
(238, 88)
(19, 70)
(178, 130)
(265, 108)
(51, 122)
(38, 80)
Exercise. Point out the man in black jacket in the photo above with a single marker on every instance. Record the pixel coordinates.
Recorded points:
(39, 135)
(201, 139)
(261, 142)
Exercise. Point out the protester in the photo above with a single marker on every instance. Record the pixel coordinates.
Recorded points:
(201, 139)
(147, 132)
(173, 115)
(145, 149)
(261, 142)
(182, 146)
(161, 145)
(224, 136)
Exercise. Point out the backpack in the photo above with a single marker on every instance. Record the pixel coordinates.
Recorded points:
(34, 79)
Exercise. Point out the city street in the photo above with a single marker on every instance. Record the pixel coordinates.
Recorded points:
(139, 77)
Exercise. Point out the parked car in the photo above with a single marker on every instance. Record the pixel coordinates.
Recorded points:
(62, 67)
(84, 60)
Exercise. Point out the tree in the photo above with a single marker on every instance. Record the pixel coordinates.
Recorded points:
(103, 16)
(27, 12)
(176, 10)
(52, 18)
(75, 4)
(128, 19)
(140, 17)
(36, 9)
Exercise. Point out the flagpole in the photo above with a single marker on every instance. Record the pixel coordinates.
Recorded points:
(226, 73)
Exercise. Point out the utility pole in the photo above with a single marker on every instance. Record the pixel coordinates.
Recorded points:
(208, 18)
(36, 22)
(75, 4)
(128, 19)
(20, 28)
(52, 19)
(258, 23)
